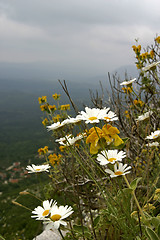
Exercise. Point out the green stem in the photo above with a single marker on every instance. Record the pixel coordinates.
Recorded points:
(135, 198)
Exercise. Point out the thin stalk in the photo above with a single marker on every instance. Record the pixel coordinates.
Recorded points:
(61, 233)
(135, 198)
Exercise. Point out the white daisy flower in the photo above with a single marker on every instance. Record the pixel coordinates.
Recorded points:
(144, 116)
(119, 170)
(92, 115)
(80, 136)
(55, 126)
(145, 69)
(154, 144)
(64, 138)
(108, 115)
(110, 156)
(42, 212)
(67, 140)
(154, 135)
(128, 82)
(71, 120)
(38, 168)
(57, 214)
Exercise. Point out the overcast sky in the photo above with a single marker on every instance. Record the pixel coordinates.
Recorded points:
(86, 37)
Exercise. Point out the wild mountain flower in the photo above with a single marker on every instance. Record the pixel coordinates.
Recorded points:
(57, 214)
(42, 212)
(54, 159)
(91, 115)
(128, 82)
(157, 39)
(71, 120)
(67, 140)
(43, 150)
(154, 135)
(153, 144)
(56, 96)
(42, 99)
(38, 168)
(119, 170)
(108, 133)
(150, 66)
(65, 107)
(45, 122)
(55, 126)
(52, 108)
(110, 156)
(144, 116)
(108, 115)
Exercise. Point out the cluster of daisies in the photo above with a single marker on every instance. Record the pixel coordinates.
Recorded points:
(90, 115)
(153, 136)
(113, 157)
(51, 214)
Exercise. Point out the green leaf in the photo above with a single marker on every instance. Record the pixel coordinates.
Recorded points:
(151, 234)
(155, 221)
(158, 230)
(138, 238)
(96, 221)
(134, 183)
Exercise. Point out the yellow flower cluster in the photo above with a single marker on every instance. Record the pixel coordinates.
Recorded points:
(127, 114)
(136, 49)
(52, 108)
(65, 107)
(138, 102)
(54, 159)
(45, 122)
(108, 133)
(42, 99)
(44, 107)
(56, 118)
(43, 151)
(127, 89)
(143, 56)
(48, 108)
(56, 96)
(157, 39)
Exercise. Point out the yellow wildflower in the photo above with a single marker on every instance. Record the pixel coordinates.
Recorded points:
(149, 206)
(138, 102)
(42, 99)
(54, 159)
(108, 133)
(44, 107)
(152, 54)
(42, 151)
(127, 89)
(127, 114)
(157, 39)
(56, 118)
(157, 191)
(56, 96)
(61, 148)
(52, 107)
(144, 55)
(65, 107)
(45, 122)
(134, 48)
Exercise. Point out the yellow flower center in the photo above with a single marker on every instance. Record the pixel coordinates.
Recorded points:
(55, 217)
(45, 213)
(155, 136)
(92, 118)
(111, 159)
(107, 118)
(118, 173)
(38, 169)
